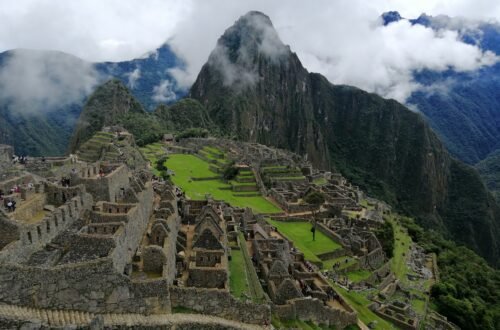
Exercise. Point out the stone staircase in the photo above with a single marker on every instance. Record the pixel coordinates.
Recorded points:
(62, 318)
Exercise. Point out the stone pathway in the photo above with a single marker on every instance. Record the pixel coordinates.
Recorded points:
(66, 317)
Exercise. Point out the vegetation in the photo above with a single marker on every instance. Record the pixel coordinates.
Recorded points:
(192, 133)
(110, 104)
(188, 169)
(238, 276)
(230, 172)
(185, 114)
(361, 303)
(161, 168)
(489, 169)
(402, 243)
(300, 234)
(144, 127)
(315, 198)
(468, 292)
(254, 287)
(385, 235)
(358, 275)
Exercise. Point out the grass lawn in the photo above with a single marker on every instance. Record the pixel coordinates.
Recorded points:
(327, 264)
(300, 234)
(187, 166)
(358, 275)
(402, 242)
(238, 275)
(320, 181)
(254, 290)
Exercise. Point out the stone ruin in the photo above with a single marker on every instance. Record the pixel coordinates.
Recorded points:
(296, 289)
(89, 240)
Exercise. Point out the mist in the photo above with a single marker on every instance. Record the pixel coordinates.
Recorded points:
(33, 81)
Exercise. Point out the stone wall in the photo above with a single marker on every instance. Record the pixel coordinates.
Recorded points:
(137, 221)
(6, 153)
(154, 259)
(93, 286)
(207, 277)
(312, 309)
(29, 208)
(9, 231)
(220, 303)
(333, 254)
(34, 236)
(57, 195)
(332, 235)
(105, 188)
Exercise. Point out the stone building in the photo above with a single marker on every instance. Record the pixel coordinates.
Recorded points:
(208, 264)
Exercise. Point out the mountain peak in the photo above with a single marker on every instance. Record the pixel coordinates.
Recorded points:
(252, 34)
(249, 42)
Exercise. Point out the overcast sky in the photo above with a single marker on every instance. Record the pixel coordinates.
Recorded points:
(341, 39)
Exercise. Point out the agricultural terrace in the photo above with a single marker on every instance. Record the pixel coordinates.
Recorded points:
(195, 177)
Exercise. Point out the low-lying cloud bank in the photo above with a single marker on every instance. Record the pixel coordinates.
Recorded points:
(33, 81)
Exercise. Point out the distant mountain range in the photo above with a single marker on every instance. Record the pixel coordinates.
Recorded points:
(36, 124)
(466, 113)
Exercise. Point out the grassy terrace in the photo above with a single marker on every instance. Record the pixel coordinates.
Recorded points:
(300, 234)
(187, 167)
(402, 243)
(358, 275)
(327, 264)
(238, 275)
(320, 181)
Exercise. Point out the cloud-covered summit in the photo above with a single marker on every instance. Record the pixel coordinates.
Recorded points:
(237, 50)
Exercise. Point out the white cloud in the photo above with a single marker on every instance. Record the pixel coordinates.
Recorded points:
(32, 81)
(344, 40)
(133, 77)
(164, 92)
(341, 39)
(94, 30)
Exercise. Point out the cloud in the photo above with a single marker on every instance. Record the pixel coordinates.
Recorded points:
(238, 68)
(33, 81)
(133, 77)
(383, 59)
(164, 92)
(94, 30)
(343, 39)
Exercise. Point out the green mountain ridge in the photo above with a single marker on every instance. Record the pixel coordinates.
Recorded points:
(104, 108)
(113, 104)
(265, 96)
